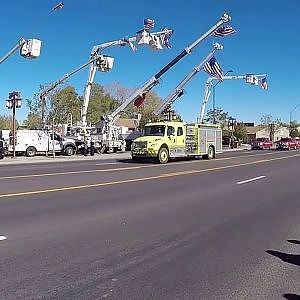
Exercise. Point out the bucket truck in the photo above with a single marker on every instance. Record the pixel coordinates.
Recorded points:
(107, 126)
(171, 139)
(104, 63)
(253, 79)
(29, 49)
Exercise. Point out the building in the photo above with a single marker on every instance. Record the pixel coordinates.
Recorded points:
(260, 131)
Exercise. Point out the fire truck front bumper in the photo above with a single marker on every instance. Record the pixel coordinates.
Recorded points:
(144, 152)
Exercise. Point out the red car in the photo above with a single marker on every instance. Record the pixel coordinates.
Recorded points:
(261, 143)
(286, 144)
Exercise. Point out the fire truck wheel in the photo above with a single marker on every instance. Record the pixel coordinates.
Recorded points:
(210, 153)
(30, 151)
(163, 155)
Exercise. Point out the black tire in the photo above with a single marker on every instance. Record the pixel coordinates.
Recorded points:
(69, 151)
(30, 151)
(210, 153)
(163, 155)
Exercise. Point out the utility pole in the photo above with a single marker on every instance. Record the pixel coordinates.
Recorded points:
(14, 101)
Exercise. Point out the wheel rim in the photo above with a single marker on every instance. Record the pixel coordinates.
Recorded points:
(163, 156)
(210, 152)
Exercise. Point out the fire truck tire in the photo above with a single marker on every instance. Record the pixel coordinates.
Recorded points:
(69, 151)
(163, 155)
(210, 153)
(30, 151)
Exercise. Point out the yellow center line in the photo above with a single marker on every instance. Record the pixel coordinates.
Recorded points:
(121, 169)
(167, 175)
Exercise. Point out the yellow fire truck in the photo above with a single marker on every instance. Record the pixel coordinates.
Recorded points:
(170, 139)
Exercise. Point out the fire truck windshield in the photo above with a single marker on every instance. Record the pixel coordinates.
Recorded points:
(154, 130)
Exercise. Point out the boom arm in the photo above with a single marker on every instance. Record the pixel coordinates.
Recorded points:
(154, 80)
(178, 91)
(209, 84)
(92, 71)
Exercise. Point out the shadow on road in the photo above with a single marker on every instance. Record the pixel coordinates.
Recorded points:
(289, 258)
(291, 296)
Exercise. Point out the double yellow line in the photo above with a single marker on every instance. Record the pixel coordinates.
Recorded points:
(167, 175)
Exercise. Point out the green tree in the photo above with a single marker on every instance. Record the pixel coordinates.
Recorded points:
(152, 100)
(100, 103)
(294, 132)
(221, 117)
(33, 121)
(240, 132)
(271, 124)
(6, 122)
(37, 110)
(63, 103)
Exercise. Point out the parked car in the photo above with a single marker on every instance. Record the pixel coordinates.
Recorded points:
(261, 143)
(2, 149)
(297, 140)
(286, 144)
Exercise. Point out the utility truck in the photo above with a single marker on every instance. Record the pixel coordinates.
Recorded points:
(31, 142)
(170, 139)
(105, 139)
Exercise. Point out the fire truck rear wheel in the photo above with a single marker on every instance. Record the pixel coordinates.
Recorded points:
(30, 151)
(163, 155)
(210, 153)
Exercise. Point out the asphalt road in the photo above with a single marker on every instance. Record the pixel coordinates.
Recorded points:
(228, 228)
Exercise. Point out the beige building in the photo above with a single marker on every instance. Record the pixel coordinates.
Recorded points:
(260, 132)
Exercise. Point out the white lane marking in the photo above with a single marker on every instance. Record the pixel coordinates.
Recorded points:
(3, 237)
(251, 179)
(112, 163)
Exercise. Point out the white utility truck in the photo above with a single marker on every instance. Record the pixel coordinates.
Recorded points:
(31, 142)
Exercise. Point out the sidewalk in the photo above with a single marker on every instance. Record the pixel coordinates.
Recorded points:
(9, 160)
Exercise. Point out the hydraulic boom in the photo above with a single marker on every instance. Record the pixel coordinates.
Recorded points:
(178, 91)
(253, 79)
(154, 80)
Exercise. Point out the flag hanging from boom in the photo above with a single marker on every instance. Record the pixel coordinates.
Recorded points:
(213, 68)
(148, 24)
(223, 31)
(59, 5)
(264, 84)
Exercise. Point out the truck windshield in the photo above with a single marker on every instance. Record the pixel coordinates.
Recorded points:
(155, 130)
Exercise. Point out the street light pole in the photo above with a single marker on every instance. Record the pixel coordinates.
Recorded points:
(13, 102)
(291, 115)
(214, 97)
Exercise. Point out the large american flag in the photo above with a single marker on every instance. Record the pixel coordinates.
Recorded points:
(148, 23)
(213, 68)
(223, 31)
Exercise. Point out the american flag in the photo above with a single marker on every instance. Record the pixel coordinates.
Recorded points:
(264, 84)
(59, 5)
(148, 23)
(223, 31)
(213, 68)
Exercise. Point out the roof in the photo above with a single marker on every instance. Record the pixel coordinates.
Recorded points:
(253, 130)
(130, 123)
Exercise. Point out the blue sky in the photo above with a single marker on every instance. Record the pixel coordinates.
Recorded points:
(266, 42)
